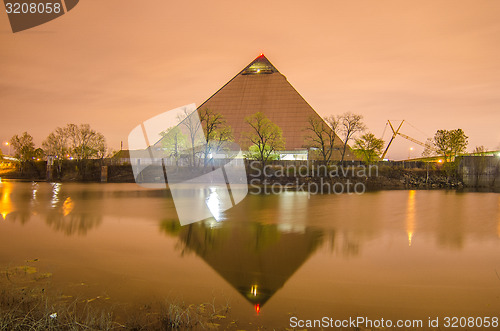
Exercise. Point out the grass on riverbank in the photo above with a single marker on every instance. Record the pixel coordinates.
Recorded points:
(29, 309)
(26, 303)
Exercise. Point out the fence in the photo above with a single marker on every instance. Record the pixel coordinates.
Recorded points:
(480, 171)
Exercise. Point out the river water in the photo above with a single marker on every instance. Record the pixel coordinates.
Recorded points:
(388, 254)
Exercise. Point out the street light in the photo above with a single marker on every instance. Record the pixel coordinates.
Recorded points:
(409, 153)
(7, 144)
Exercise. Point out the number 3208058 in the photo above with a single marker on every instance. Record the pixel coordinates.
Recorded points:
(33, 8)
(472, 322)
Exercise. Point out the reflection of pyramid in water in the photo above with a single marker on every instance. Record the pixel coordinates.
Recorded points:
(256, 259)
(260, 87)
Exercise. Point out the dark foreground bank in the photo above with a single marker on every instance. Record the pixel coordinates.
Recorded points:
(28, 302)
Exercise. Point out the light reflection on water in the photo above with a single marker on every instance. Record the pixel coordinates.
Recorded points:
(498, 217)
(410, 215)
(6, 205)
(394, 253)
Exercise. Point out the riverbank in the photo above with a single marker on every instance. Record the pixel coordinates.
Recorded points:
(373, 177)
(381, 176)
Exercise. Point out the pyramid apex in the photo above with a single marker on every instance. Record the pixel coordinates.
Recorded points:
(260, 65)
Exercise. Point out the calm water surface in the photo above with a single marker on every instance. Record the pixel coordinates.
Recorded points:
(390, 254)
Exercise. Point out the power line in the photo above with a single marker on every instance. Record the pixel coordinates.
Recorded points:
(424, 133)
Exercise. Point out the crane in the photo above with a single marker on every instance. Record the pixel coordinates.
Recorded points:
(396, 132)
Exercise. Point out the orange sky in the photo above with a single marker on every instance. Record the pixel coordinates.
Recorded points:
(115, 63)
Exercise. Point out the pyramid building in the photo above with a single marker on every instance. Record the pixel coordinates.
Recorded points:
(255, 259)
(260, 87)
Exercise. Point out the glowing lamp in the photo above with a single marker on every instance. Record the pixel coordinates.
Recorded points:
(257, 308)
(253, 290)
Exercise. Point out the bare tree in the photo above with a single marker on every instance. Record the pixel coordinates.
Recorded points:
(265, 136)
(350, 124)
(322, 134)
(80, 142)
(191, 122)
(429, 148)
(84, 142)
(479, 150)
(56, 144)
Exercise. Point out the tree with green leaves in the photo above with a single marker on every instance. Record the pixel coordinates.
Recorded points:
(23, 145)
(217, 132)
(350, 124)
(255, 154)
(174, 142)
(24, 149)
(450, 143)
(321, 135)
(265, 135)
(368, 147)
